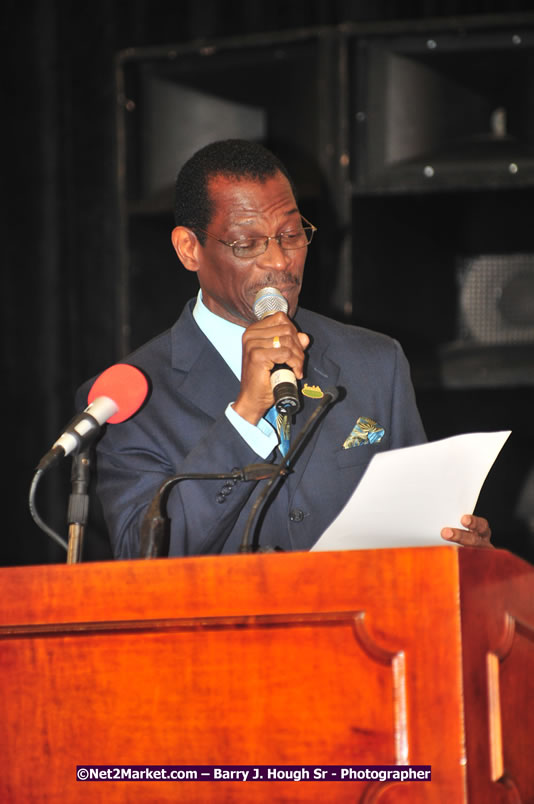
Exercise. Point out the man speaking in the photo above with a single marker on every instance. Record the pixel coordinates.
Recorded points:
(212, 407)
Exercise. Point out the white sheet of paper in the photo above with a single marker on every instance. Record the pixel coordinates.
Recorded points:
(408, 495)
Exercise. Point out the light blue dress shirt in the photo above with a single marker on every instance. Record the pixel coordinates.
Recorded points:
(226, 338)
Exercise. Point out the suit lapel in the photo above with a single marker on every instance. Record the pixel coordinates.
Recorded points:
(201, 374)
(324, 372)
(204, 378)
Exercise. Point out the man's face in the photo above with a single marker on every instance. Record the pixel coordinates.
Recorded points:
(247, 208)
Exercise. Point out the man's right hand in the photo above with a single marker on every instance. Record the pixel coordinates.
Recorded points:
(260, 355)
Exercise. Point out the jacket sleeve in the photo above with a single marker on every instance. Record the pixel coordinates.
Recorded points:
(134, 459)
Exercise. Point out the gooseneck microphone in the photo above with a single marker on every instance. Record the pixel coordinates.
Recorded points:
(247, 546)
(115, 396)
(283, 381)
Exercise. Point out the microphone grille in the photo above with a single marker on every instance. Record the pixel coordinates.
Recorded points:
(123, 383)
(269, 301)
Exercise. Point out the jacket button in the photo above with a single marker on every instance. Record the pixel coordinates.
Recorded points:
(296, 515)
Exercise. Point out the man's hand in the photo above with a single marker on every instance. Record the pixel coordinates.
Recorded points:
(259, 357)
(478, 533)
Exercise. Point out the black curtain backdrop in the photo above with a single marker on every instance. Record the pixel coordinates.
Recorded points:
(59, 225)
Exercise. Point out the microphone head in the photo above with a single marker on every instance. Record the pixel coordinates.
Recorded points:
(268, 301)
(125, 385)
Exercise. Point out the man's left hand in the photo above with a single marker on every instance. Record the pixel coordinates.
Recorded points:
(477, 533)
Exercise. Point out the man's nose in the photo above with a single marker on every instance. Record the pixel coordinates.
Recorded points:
(274, 257)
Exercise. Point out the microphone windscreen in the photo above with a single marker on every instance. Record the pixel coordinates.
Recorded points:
(268, 301)
(125, 385)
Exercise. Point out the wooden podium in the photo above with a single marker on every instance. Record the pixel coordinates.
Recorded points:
(383, 657)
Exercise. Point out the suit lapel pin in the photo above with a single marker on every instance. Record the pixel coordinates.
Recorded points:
(312, 391)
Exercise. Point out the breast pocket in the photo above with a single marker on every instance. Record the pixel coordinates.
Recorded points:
(358, 456)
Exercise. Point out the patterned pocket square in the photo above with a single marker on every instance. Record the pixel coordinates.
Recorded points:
(365, 431)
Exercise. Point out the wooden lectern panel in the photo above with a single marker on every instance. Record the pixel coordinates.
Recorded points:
(498, 626)
(349, 658)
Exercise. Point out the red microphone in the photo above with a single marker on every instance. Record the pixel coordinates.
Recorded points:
(115, 395)
(122, 384)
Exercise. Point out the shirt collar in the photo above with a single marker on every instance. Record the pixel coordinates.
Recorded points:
(224, 335)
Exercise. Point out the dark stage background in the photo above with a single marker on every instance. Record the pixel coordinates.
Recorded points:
(348, 93)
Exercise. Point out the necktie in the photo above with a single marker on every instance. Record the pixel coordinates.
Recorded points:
(282, 423)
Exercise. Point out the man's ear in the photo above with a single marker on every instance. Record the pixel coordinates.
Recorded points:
(186, 246)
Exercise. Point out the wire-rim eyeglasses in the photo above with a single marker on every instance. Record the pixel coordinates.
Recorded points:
(247, 247)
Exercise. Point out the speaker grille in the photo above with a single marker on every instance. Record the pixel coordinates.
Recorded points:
(497, 299)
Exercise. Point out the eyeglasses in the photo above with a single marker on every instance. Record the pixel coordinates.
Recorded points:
(247, 247)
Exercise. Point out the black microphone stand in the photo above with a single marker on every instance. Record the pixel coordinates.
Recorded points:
(78, 508)
(154, 530)
(329, 397)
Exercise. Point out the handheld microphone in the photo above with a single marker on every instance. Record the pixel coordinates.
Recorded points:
(114, 396)
(283, 381)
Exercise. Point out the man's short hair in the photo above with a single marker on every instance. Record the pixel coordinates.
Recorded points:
(239, 159)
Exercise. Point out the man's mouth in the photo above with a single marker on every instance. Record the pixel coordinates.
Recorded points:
(285, 283)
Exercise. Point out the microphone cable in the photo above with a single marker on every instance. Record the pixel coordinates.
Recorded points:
(35, 515)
